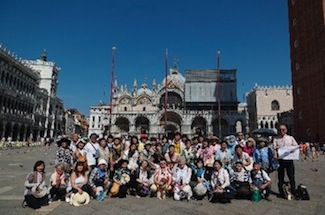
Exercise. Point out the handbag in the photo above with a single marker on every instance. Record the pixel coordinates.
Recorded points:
(242, 188)
(229, 192)
(115, 189)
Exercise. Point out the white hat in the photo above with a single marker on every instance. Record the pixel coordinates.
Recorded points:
(200, 189)
(80, 199)
(39, 191)
(102, 161)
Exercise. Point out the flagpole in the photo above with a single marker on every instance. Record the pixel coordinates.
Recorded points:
(166, 90)
(219, 92)
(112, 86)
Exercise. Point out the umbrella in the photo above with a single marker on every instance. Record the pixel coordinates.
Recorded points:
(265, 132)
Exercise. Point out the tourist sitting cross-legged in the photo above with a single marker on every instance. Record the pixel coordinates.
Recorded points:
(36, 191)
(162, 180)
(121, 180)
(240, 181)
(142, 175)
(181, 180)
(200, 180)
(261, 180)
(58, 183)
(99, 180)
(220, 182)
(78, 181)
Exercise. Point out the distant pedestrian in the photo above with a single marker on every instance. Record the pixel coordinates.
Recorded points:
(9, 143)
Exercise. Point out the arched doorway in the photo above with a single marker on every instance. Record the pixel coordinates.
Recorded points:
(224, 127)
(22, 133)
(8, 130)
(1, 130)
(15, 132)
(123, 124)
(142, 124)
(199, 124)
(170, 124)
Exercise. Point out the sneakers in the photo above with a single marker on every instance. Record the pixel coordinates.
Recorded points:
(67, 199)
(101, 196)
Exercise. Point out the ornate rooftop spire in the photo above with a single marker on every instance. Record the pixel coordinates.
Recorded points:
(44, 56)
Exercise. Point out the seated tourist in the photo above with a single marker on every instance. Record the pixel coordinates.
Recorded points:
(261, 180)
(200, 176)
(240, 181)
(162, 179)
(79, 181)
(220, 182)
(142, 176)
(121, 179)
(35, 193)
(99, 180)
(181, 180)
(58, 183)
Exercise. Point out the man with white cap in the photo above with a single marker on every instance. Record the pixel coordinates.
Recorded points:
(182, 177)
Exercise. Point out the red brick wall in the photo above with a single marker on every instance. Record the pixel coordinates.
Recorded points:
(307, 52)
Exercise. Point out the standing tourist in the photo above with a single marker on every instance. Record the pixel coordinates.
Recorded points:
(79, 155)
(103, 149)
(285, 140)
(92, 150)
(74, 139)
(178, 143)
(64, 154)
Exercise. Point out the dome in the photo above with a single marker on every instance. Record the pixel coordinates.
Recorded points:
(174, 79)
(144, 90)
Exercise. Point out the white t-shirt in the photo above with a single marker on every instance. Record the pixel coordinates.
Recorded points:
(90, 149)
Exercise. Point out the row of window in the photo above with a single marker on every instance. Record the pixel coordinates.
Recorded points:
(12, 106)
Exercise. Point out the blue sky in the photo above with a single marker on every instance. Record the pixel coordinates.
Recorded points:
(252, 35)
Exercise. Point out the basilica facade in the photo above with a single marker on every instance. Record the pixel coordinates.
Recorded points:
(191, 106)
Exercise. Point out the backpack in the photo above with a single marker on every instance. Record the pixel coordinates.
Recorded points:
(302, 192)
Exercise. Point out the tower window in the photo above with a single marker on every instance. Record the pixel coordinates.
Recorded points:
(275, 105)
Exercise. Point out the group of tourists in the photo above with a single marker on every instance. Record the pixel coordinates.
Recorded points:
(181, 168)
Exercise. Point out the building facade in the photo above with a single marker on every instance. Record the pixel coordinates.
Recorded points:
(143, 109)
(307, 52)
(48, 81)
(75, 122)
(264, 104)
(25, 101)
(18, 93)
